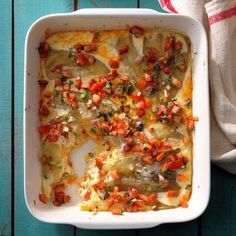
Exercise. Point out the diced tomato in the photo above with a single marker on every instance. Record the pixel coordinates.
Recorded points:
(43, 49)
(67, 198)
(42, 83)
(95, 87)
(167, 70)
(126, 109)
(152, 198)
(44, 129)
(136, 31)
(81, 59)
(147, 102)
(91, 59)
(124, 49)
(147, 160)
(133, 192)
(116, 211)
(165, 167)
(183, 203)
(99, 185)
(78, 83)
(43, 111)
(59, 188)
(168, 42)
(79, 47)
(160, 157)
(140, 105)
(115, 175)
(99, 162)
(87, 196)
(181, 177)
(143, 197)
(136, 96)
(43, 198)
(57, 82)
(140, 112)
(96, 98)
(177, 83)
(121, 128)
(178, 46)
(142, 83)
(112, 75)
(53, 138)
(90, 47)
(67, 73)
(190, 123)
(175, 164)
(151, 58)
(171, 157)
(171, 193)
(114, 63)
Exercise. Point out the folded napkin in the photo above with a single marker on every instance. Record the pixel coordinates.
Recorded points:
(219, 20)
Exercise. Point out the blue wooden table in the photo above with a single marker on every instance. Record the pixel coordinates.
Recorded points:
(15, 18)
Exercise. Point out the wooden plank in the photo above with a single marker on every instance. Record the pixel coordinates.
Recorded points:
(5, 117)
(106, 4)
(189, 228)
(82, 232)
(153, 4)
(220, 216)
(26, 12)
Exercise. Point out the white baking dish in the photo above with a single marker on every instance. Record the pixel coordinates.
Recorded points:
(110, 19)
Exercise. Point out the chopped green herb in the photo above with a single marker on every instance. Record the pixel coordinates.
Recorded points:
(93, 130)
(106, 195)
(129, 89)
(102, 114)
(83, 95)
(110, 112)
(188, 186)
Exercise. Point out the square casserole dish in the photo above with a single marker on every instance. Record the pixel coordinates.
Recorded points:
(96, 19)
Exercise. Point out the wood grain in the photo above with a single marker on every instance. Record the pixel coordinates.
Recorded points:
(220, 216)
(107, 4)
(5, 117)
(26, 12)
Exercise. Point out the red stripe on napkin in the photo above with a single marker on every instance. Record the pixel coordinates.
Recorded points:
(222, 15)
(170, 6)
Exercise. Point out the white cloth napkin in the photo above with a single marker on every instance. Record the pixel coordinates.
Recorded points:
(219, 19)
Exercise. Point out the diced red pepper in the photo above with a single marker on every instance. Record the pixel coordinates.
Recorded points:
(90, 48)
(167, 70)
(78, 83)
(99, 162)
(178, 46)
(53, 138)
(160, 157)
(114, 63)
(43, 111)
(43, 49)
(43, 198)
(142, 83)
(147, 102)
(175, 164)
(87, 196)
(44, 129)
(168, 42)
(124, 49)
(96, 98)
(81, 59)
(136, 31)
